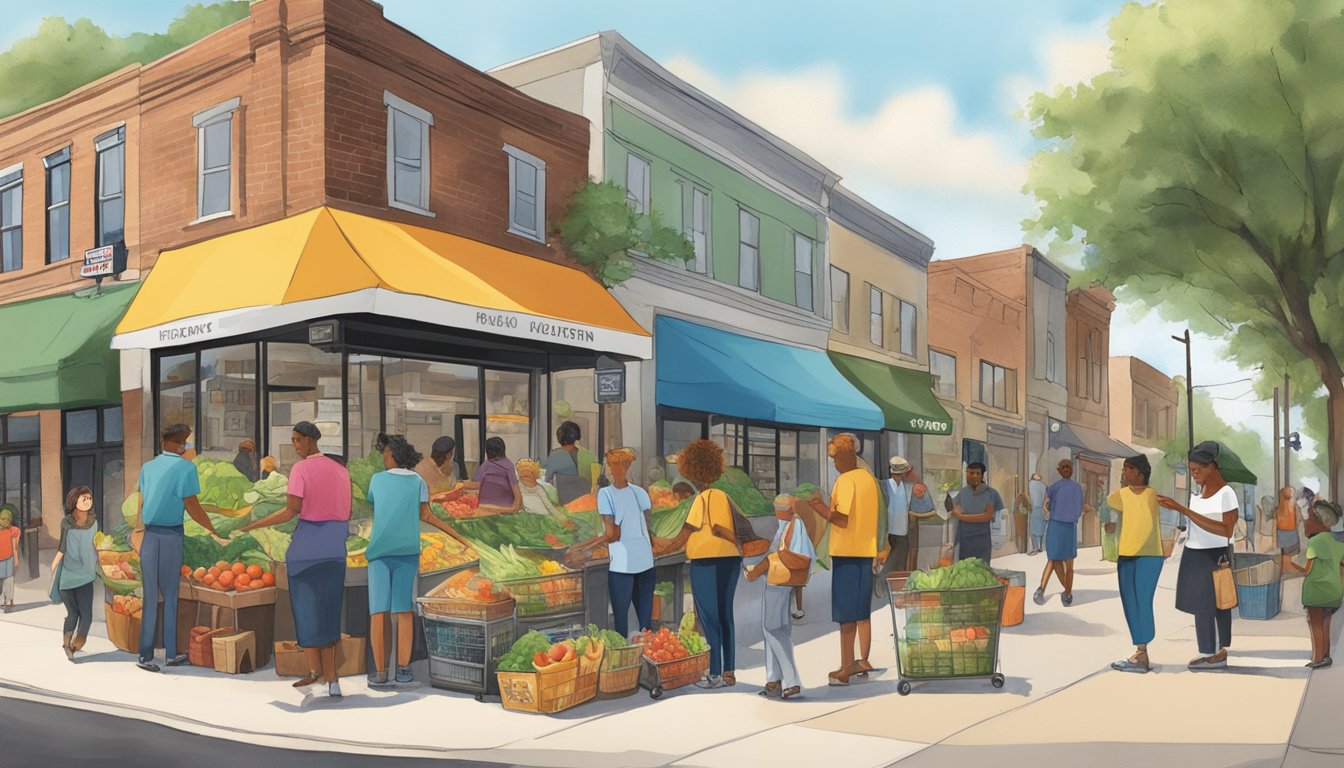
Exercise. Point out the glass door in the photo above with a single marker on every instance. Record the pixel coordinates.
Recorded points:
(470, 452)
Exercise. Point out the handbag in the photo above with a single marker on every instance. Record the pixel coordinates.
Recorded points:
(55, 593)
(779, 573)
(748, 543)
(1224, 585)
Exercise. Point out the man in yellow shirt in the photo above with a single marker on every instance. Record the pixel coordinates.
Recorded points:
(852, 514)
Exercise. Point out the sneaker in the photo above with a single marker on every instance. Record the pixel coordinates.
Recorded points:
(404, 675)
(177, 661)
(711, 681)
(1067, 600)
(1039, 597)
(334, 689)
(1322, 664)
(148, 666)
(798, 615)
(1206, 663)
(378, 678)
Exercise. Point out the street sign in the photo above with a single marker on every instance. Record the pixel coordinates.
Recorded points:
(608, 381)
(103, 261)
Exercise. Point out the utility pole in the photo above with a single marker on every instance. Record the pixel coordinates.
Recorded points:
(1287, 478)
(1189, 390)
(1278, 481)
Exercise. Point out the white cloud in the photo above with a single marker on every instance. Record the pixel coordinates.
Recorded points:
(1070, 56)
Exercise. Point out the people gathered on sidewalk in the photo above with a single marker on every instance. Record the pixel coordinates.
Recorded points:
(1063, 508)
(1323, 586)
(1140, 557)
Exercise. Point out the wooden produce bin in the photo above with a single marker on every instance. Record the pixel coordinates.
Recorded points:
(252, 611)
(124, 630)
(235, 654)
(290, 660)
(552, 690)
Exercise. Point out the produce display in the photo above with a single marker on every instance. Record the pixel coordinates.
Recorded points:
(505, 563)
(128, 605)
(118, 564)
(667, 523)
(585, 503)
(230, 577)
(951, 617)
(663, 645)
(469, 584)
(661, 496)
(744, 493)
(526, 530)
(964, 574)
(463, 506)
(222, 485)
(437, 551)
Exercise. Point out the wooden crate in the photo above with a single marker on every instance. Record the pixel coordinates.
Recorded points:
(252, 611)
(201, 647)
(552, 690)
(586, 684)
(290, 661)
(235, 654)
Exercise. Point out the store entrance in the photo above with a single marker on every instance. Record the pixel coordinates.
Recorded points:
(92, 456)
(1092, 476)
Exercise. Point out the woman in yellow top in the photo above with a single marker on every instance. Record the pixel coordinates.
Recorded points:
(1140, 560)
(710, 539)
(853, 517)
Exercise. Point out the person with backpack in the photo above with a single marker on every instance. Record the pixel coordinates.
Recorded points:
(786, 568)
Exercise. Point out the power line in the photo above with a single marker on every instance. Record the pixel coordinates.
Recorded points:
(1238, 397)
(1223, 384)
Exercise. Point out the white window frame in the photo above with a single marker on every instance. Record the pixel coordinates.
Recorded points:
(54, 160)
(839, 316)
(538, 230)
(394, 105)
(638, 199)
(103, 144)
(220, 113)
(755, 247)
(798, 271)
(934, 355)
(16, 168)
(700, 263)
(903, 327)
(875, 325)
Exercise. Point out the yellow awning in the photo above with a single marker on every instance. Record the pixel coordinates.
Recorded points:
(327, 262)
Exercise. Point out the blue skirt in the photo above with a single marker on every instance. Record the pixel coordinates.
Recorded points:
(1061, 540)
(315, 595)
(851, 589)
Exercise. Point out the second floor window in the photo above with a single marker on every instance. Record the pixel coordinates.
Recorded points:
(802, 272)
(696, 226)
(407, 155)
(839, 300)
(909, 328)
(58, 205)
(11, 219)
(214, 156)
(1141, 418)
(110, 203)
(943, 368)
(637, 183)
(998, 386)
(1097, 365)
(875, 316)
(527, 194)
(749, 251)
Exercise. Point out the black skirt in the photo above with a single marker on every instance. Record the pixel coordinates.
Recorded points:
(1194, 582)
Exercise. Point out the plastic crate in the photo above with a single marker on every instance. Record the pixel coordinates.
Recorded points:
(1258, 602)
(448, 607)
(469, 642)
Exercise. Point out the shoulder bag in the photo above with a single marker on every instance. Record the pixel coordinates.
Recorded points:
(1224, 585)
(779, 573)
(748, 543)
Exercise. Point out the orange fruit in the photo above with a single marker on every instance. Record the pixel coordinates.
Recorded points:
(268, 580)
(242, 580)
(209, 579)
(225, 579)
(197, 574)
(222, 565)
(254, 571)
(213, 571)
(238, 569)
(186, 570)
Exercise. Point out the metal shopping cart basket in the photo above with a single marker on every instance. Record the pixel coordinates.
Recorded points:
(945, 634)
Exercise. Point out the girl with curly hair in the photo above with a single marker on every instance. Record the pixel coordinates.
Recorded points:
(715, 559)
(400, 500)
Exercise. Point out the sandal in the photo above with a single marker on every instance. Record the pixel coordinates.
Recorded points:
(1322, 664)
(862, 668)
(311, 678)
(771, 690)
(729, 678)
(798, 615)
(841, 677)
(789, 693)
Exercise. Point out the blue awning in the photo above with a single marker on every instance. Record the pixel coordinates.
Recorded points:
(705, 369)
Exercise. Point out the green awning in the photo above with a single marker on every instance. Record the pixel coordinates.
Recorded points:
(56, 352)
(904, 395)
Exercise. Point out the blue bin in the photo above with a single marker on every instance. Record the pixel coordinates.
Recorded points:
(1258, 602)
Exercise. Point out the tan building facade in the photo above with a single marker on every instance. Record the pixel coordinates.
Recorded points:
(1088, 343)
(305, 103)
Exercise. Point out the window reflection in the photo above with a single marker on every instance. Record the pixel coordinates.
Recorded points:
(229, 405)
(303, 384)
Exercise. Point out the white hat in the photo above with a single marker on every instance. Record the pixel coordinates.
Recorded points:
(899, 465)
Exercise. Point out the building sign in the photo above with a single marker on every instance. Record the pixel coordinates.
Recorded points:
(103, 261)
(187, 332)
(533, 328)
(608, 381)
(929, 425)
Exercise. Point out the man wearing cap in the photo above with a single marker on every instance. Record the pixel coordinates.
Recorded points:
(904, 495)
(437, 469)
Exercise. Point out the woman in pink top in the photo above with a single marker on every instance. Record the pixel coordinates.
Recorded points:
(319, 495)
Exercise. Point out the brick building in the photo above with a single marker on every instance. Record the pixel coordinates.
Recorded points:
(311, 162)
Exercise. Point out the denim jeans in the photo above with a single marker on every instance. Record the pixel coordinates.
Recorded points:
(713, 584)
(161, 568)
(624, 588)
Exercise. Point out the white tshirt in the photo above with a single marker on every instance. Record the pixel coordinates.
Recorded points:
(633, 553)
(1213, 509)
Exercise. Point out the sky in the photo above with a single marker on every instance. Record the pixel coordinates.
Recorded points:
(917, 105)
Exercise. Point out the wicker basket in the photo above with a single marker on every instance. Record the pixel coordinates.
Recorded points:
(586, 684)
(621, 658)
(546, 595)
(620, 672)
(679, 672)
(552, 690)
(458, 608)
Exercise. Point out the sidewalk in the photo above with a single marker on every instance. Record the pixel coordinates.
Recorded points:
(1060, 698)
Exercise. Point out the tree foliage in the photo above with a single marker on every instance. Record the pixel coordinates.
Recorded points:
(62, 56)
(600, 230)
(1203, 174)
(1246, 441)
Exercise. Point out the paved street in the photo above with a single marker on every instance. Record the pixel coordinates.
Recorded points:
(1060, 701)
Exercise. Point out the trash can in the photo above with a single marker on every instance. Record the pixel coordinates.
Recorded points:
(1258, 585)
(1014, 597)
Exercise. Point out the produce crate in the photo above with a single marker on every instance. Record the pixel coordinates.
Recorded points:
(246, 611)
(946, 633)
(466, 609)
(427, 582)
(1260, 601)
(546, 692)
(660, 676)
(619, 675)
(469, 642)
(546, 595)
(586, 687)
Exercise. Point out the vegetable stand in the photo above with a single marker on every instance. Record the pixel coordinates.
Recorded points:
(945, 634)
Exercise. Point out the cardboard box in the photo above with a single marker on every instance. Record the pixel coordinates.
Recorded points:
(289, 660)
(235, 654)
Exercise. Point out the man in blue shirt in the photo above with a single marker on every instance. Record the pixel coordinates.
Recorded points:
(168, 484)
(975, 508)
(1063, 507)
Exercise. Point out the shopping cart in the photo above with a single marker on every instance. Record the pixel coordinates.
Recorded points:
(945, 634)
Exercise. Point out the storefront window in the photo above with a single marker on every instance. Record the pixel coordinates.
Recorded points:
(572, 400)
(21, 466)
(228, 402)
(762, 452)
(426, 401)
(363, 419)
(177, 405)
(788, 461)
(508, 412)
(728, 434)
(81, 427)
(303, 384)
(177, 369)
(810, 457)
(22, 429)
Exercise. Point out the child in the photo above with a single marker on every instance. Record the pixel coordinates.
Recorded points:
(792, 549)
(1323, 587)
(9, 554)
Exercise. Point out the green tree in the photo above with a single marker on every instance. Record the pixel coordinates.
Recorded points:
(1243, 440)
(600, 229)
(1202, 173)
(62, 56)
